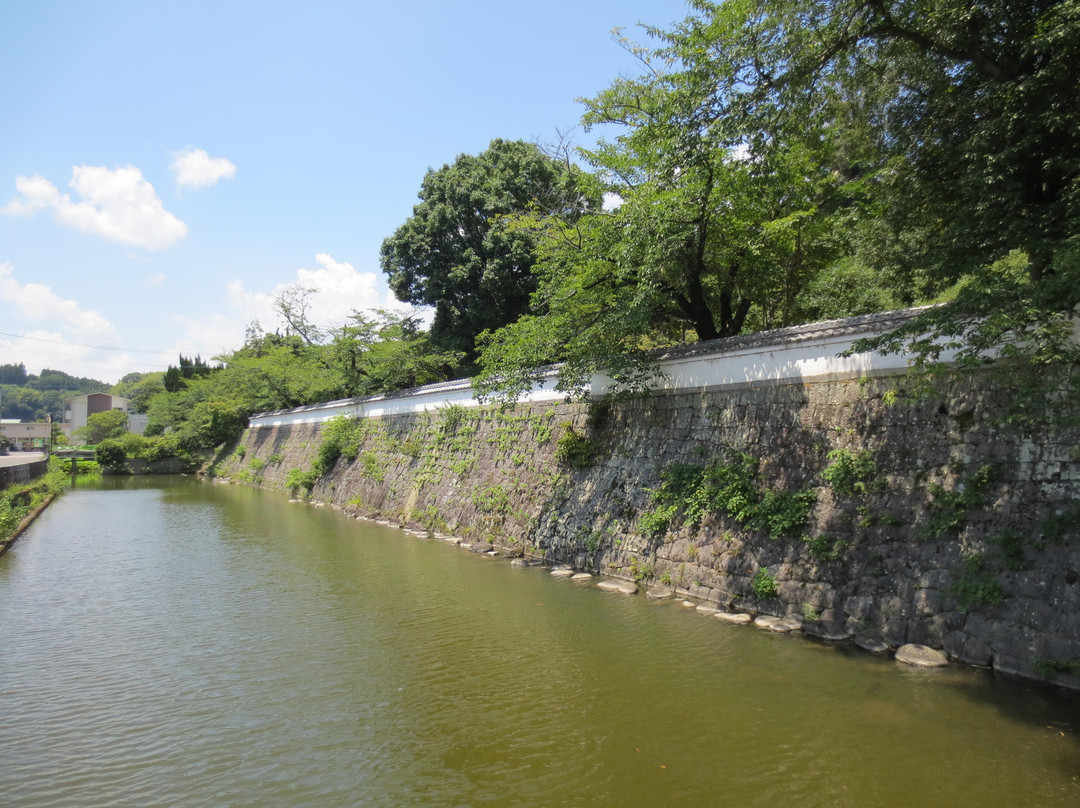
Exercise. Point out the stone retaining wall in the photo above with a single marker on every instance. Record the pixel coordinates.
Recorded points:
(963, 536)
(22, 472)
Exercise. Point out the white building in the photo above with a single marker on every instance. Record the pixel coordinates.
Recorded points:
(78, 408)
(21, 435)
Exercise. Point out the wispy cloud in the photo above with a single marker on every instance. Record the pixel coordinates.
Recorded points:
(37, 302)
(194, 168)
(338, 290)
(74, 339)
(116, 204)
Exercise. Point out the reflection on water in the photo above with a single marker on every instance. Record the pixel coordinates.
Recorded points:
(166, 642)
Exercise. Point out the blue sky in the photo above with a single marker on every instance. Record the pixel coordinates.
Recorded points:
(167, 168)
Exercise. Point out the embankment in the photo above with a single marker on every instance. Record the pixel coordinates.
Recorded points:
(849, 501)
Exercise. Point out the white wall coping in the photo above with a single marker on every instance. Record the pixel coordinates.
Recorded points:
(787, 355)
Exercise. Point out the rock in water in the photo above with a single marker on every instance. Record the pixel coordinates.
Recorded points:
(921, 656)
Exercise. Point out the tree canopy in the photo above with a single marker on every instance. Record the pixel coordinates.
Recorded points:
(771, 151)
(455, 252)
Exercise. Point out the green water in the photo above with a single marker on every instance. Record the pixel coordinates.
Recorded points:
(168, 642)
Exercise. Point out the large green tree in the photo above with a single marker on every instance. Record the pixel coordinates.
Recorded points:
(455, 252)
(936, 141)
(709, 229)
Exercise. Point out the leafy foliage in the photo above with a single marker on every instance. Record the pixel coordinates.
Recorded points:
(575, 449)
(341, 437)
(456, 253)
(728, 485)
(102, 425)
(852, 473)
(297, 478)
(764, 585)
(975, 585)
(948, 511)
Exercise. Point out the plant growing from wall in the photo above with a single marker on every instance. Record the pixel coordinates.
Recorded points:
(639, 570)
(491, 499)
(948, 511)
(764, 585)
(824, 548)
(371, 468)
(657, 520)
(729, 485)
(575, 449)
(297, 478)
(1049, 668)
(852, 473)
(341, 437)
(975, 585)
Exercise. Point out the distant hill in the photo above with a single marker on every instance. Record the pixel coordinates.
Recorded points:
(30, 398)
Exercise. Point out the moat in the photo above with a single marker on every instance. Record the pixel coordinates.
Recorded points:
(171, 642)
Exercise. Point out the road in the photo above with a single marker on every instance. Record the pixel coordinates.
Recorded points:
(20, 458)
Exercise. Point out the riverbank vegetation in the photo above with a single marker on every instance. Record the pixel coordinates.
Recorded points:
(17, 502)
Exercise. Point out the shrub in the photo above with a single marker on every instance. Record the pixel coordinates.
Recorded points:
(728, 485)
(111, 452)
(656, 521)
(824, 548)
(783, 513)
(162, 447)
(852, 473)
(764, 585)
(341, 437)
(975, 586)
(371, 467)
(948, 509)
(450, 418)
(298, 478)
(574, 449)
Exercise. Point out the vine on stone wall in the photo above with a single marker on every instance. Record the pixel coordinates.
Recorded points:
(729, 485)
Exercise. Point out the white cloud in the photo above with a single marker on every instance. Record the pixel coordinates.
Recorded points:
(72, 340)
(194, 168)
(339, 289)
(37, 302)
(117, 204)
(157, 279)
(42, 348)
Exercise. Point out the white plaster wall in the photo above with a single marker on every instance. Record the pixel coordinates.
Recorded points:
(790, 355)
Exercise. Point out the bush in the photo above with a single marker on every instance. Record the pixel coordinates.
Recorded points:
(574, 449)
(341, 437)
(728, 485)
(111, 452)
(852, 473)
(298, 478)
(764, 585)
(162, 447)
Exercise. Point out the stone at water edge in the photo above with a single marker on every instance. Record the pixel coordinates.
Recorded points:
(659, 592)
(868, 642)
(706, 609)
(787, 624)
(581, 576)
(824, 630)
(736, 618)
(766, 621)
(921, 656)
(562, 572)
(623, 587)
